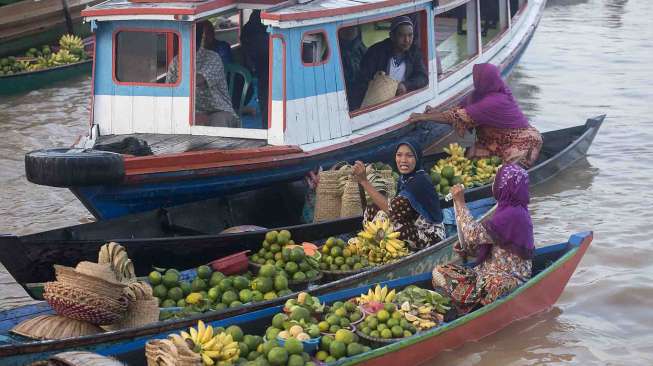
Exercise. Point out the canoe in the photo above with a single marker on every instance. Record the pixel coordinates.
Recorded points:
(151, 238)
(31, 80)
(18, 351)
(553, 266)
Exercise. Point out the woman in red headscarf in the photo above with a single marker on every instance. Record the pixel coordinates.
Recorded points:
(501, 128)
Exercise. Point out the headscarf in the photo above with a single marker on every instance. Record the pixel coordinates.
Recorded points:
(492, 104)
(416, 186)
(510, 227)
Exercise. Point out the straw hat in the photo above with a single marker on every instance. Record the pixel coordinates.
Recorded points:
(380, 89)
(54, 327)
(82, 304)
(97, 278)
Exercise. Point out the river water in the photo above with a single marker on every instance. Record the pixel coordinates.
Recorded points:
(588, 57)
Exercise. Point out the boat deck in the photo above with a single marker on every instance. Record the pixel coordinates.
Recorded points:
(171, 144)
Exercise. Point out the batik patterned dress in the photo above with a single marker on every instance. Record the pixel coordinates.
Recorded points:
(414, 229)
(517, 145)
(500, 273)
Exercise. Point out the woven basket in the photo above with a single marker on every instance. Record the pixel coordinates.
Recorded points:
(327, 196)
(139, 312)
(391, 183)
(163, 352)
(336, 275)
(380, 89)
(81, 358)
(377, 342)
(54, 327)
(81, 304)
(99, 283)
(351, 200)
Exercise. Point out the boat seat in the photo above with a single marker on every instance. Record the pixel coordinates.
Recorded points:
(238, 97)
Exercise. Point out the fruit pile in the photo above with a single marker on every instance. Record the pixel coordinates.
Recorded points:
(298, 320)
(341, 315)
(387, 323)
(214, 291)
(213, 345)
(279, 249)
(71, 50)
(378, 243)
(423, 308)
(457, 169)
(273, 353)
(337, 257)
(345, 343)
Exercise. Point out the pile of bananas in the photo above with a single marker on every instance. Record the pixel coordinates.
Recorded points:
(421, 316)
(64, 57)
(380, 294)
(219, 347)
(457, 169)
(378, 243)
(71, 42)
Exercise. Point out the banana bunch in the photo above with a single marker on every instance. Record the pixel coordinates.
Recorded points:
(41, 63)
(64, 57)
(71, 43)
(485, 171)
(382, 243)
(116, 255)
(455, 150)
(212, 347)
(380, 294)
(422, 317)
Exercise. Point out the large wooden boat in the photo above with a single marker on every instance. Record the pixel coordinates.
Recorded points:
(308, 122)
(151, 236)
(553, 266)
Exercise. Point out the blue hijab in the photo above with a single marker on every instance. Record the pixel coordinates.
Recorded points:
(418, 189)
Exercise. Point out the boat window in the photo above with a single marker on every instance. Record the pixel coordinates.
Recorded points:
(455, 38)
(494, 20)
(144, 57)
(516, 6)
(315, 48)
(373, 77)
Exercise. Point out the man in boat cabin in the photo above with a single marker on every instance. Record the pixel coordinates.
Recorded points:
(398, 57)
(352, 50)
(212, 100)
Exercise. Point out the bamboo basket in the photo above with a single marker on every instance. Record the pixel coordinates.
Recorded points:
(351, 200)
(380, 89)
(328, 197)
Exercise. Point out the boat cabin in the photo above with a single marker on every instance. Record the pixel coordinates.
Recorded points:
(145, 74)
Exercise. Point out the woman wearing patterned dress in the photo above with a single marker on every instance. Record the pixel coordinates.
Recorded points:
(501, 128)
(415, 210)
(503, 246)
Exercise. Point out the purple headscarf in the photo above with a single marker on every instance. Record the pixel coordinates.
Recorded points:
(510, 227)
(492, 104)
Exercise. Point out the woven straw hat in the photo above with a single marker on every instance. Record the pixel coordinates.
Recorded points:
(94, 277)
(82, 358)
(54, 327)
(82, 304)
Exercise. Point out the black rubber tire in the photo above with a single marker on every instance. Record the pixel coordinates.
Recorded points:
(73, 167)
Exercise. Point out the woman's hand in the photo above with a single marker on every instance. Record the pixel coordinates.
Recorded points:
(458, 193)
(418, 117)
(359, 173)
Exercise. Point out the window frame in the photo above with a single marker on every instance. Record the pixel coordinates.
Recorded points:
(114, 51)
(326, 40)
(479, 47)
(503, 32)
(423, 31)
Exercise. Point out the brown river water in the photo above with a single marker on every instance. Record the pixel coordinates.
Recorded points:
(588, 57)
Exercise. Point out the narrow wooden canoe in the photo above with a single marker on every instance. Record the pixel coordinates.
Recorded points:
(31, 80)
(18, 351)
(153, 238)
(553, 266)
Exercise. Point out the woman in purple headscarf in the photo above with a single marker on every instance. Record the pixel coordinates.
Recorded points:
(503, 245)
(501, 128)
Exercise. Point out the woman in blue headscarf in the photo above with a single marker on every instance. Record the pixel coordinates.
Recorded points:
(415, 210)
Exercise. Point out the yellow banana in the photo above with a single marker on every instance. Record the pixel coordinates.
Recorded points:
(207, 360)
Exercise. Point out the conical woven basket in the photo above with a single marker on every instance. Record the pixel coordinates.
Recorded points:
(54, 327)
(380, 89)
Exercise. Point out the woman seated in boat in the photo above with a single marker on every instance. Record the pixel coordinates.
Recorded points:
(415, 211)
(501, 128)
(503, 245)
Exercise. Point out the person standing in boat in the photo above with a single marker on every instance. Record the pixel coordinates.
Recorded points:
(398, 57)
(501, 128)
(254, 40)
(415, 211)
(212, 99)
(352, 51)
(503, 245)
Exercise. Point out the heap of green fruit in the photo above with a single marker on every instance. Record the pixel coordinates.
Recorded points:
(272, 353)
(71, 50)
(337, 257)
(340, 316)
(343, 344)
(387, 323)
(423, 308)
(215, 291)
(279, 249)
(457, 169)
(298, 319)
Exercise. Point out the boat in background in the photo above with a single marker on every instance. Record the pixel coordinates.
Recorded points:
(308, 122)
(553, 266)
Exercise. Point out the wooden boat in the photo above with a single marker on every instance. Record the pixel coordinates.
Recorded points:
(16, 350)
(308, 123)
(151, 237)
(553, 266)
(31, 23)
(31, 80)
